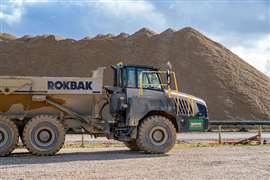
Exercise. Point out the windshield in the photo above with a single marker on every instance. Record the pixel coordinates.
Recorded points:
(150, 80)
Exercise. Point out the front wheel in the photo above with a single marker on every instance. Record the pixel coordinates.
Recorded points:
(156, 134)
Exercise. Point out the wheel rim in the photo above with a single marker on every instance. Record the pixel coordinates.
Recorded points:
(44, 136)
(3, 136)
(158, 135)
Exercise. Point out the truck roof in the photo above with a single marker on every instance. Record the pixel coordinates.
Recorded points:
(135, 66)
(140, 66)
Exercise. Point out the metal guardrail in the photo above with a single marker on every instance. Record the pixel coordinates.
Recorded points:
(257, 137)
(239, 122)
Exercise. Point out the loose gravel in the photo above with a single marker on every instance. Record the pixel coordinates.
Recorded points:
(223, 162)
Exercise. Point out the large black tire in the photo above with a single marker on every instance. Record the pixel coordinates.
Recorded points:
(44, 135)
(132, 145)
(9, 136)
(156, 134)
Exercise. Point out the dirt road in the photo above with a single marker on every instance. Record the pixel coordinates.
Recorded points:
(226, 162)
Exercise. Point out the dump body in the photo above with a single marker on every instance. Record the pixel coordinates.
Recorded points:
(23, 96)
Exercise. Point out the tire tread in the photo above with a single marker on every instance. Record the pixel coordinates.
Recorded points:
(26, 138)
(143, 127)
(15, 138)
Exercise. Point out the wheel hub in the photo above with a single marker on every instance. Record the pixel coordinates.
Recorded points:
(44, 136)
(158, 135)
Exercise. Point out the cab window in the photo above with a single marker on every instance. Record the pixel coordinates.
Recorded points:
(149, 80)
(154, 81)
(130, 77)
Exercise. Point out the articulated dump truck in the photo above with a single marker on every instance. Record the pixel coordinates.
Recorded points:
(139, 109)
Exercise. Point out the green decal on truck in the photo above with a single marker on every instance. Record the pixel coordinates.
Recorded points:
(195, 124)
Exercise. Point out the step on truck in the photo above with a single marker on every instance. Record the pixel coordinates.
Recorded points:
(143, 109)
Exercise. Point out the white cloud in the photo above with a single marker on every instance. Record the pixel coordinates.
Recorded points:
(143, 12)
(267, 67)
(257, 54)
(11, 11)
(118, 7)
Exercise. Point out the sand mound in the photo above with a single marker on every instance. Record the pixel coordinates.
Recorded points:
(25, 38)
(122, 36)
(87, 38)
(7, 37)
(142, 33)
(103, 37)
(168, 32)
(232, 88)
(46, 37)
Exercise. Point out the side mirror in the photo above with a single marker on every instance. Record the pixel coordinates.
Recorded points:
(169, 65)
(168, 78)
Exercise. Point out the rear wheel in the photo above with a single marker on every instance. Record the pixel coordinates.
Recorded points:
(132, 145)
(156, 134)
(9, 136)
(44, 135)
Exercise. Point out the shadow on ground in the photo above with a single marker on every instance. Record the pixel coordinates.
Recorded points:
(27, 158)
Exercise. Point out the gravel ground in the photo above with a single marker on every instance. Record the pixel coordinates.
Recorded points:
(225, 162)
(186, 137)
(222, 162)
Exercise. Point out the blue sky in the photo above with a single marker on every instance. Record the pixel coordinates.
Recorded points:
(242, 26)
